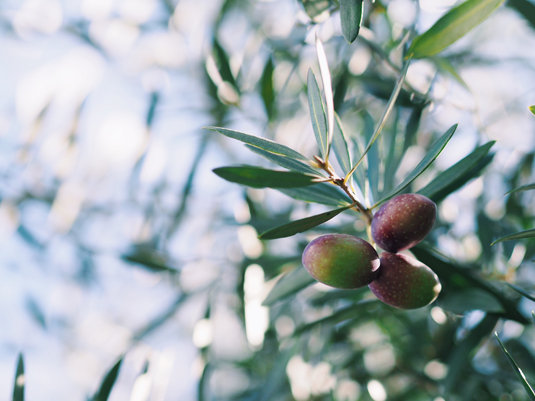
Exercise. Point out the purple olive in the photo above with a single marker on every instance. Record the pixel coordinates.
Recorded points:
(341, 261)
(404, 282)
(403, 222)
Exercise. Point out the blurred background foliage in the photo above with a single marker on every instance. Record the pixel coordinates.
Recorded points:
(121, 249)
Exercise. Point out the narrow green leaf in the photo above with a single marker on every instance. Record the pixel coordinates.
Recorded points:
(317, 114)
(460, 302)
(526, 187)
(520, 235)
(222, 62)
(322, 193)
(449, 180)
(522, 292)
(302, 225)
(445, 65)
(283, 161)
(532, 109)
(351, 18)
(289, 284)
(517, 370)
(340, 147)
(452, 26)
(340, 315)
(314, 8)
(267, 91)
(465, 350)
(257, 177)
(18, 387)
(262, 143)
(109, 381)
(429, 158)
(386, 113)
(327, 90)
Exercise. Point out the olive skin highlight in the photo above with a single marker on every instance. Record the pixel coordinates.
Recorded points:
(404, 282)
(403, 222)
(341, 261)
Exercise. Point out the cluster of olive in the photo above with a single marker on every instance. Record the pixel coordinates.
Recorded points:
(348, 262)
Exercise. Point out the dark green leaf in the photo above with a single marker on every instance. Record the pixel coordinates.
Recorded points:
(313, 8)
(18, 386)
(289, 284)
(452, 26)
(465, 351)
(341, 150)
(526, 8)
(222, 62)
(109, 381)
(517, 370)
(351, 18)
(459, 173)
(302, 225)
(262, 143)
(429, 158)
(267, 91)
(520, 235)
(325, 194)
(283, 161)
(523, 292)
(533, 316)
(470, 299)
(457, 279)
(257, 177)
(526, 187)
(149, 258)
(532, 109)
(317, 113)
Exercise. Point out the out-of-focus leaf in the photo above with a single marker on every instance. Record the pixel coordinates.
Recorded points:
(257, 177)
(202, 386)
(532, 109)
(382, 88)
(327, 90)
(518, 371)
(335, 295)
(267, 91)
(412, 127)
(340, 315)
(314, 8)
(340, 147)
(325, 194)
(36, 312)
(283, 161)
(522, 292)
(289, 284)
(457, 175)
(386, 113)
(526, 187)
(109, 381)
(465, 350)
(429, 158)
(262, 143)
(519, 235)
(351, 18)
(373, 169)
(302, 225)
(452, 26)
(18, 386)
(526, 8)
(445, 65)
(277, 376)
(317, 114)
(533, 316)
(222, 62)
(470, 299)
(148, 258)
(456, 279)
